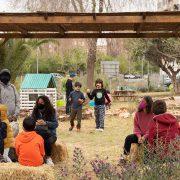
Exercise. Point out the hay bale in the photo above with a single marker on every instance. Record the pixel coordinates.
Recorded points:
(59, 152)
(10, 171)
(136, 153)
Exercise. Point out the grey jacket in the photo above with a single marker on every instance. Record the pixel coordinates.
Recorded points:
(10, 98)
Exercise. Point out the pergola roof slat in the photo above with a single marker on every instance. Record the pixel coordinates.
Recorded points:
(74, 25)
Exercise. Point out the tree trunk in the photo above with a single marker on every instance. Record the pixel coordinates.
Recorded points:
(176, 84)
(92, 48)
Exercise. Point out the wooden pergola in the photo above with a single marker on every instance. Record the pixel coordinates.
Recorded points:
(90, 25)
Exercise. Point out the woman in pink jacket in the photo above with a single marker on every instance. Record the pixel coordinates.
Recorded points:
(142, 121)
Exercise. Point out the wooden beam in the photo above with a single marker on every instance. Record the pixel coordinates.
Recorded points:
(60, 29)
(89, 20)
(21, 29)
(90, 35)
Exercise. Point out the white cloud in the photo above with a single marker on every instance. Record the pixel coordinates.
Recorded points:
(4, 6)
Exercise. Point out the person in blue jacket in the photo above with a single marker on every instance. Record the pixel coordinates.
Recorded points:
(46, 123)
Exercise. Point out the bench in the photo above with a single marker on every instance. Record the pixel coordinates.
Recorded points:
(124, 97)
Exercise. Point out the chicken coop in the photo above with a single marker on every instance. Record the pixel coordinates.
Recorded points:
(35, 85)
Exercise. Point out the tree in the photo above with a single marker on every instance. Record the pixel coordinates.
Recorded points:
(14, 53)
(164, 53)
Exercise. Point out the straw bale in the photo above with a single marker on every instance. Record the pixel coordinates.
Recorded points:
(136, 153)
(15, 171)
(59, 152)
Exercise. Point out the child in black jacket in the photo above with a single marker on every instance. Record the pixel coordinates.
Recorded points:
(99, 95)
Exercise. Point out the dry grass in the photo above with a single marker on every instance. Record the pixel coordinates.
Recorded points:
(108, 143)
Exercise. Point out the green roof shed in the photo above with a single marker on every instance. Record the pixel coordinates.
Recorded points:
(38, 81)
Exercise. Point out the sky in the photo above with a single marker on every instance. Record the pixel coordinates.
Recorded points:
(4, 5)
(143, 4)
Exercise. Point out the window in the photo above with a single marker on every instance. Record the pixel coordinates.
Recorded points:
(33, 97)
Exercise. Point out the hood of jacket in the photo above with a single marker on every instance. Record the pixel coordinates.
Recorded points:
(5, 71)
(26, 137)
(166, 119)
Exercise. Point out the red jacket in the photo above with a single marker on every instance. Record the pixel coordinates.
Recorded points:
(164, 128)
(142, 122)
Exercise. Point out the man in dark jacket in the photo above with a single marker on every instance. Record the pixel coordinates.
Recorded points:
(69, 89)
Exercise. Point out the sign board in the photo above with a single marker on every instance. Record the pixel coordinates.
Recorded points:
(110, 68)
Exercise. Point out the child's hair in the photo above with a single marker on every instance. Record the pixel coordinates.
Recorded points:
(149, 102)
(99, 81)
(159, 107)
(78, 84)
(29, 124)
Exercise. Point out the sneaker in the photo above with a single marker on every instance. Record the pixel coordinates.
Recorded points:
(101, 130)
(122, 160)
(49, 161)
(71, 128)
(2, 159)
(97, 129)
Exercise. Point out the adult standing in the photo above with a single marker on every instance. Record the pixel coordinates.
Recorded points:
(69, 89)
(10, 98)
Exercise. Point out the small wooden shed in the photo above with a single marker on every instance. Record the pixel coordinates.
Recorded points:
(35, 85)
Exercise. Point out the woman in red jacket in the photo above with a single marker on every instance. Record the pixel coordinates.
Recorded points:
(142, 120)
(164, 128)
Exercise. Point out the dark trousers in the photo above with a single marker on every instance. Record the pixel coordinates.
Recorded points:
(99, 112)
(132, 138)
(1, 146)
(68, 105)
(75, 113)
(49, 140)
(48, 145)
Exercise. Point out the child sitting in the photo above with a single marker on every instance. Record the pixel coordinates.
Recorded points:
(164, 128)
(29, 145)
(142, 121)
(77, 99)
(9, 139)
(99, 94)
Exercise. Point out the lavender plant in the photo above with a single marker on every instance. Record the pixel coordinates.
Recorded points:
(79, 163)
(159, 163)
(105, 170)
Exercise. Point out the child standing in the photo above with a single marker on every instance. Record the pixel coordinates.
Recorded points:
(99, 95)
(77, 99)
(29, 145)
